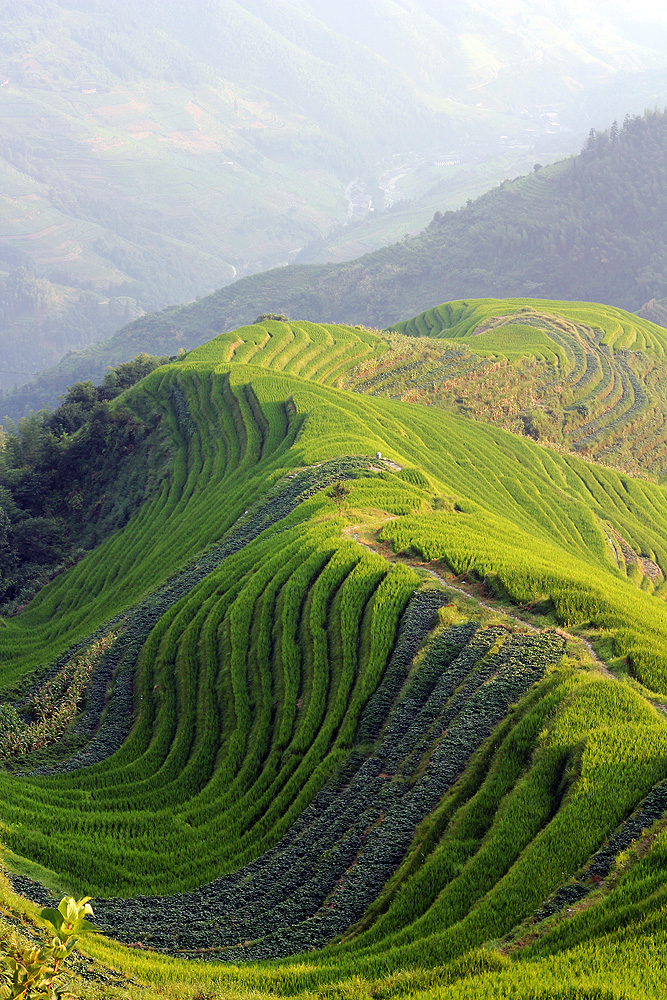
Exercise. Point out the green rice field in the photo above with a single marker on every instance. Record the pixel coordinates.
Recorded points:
(406, 741)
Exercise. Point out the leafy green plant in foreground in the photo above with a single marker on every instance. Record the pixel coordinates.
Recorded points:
(34, 973)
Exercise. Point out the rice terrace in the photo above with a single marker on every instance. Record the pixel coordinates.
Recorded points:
(366, 698)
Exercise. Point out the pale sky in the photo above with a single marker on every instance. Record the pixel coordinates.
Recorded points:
(654, 10)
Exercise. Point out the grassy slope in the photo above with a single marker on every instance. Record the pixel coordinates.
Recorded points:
(532, 522)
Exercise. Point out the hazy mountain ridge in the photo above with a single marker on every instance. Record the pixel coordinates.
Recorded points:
(146, 160)
(590, 228)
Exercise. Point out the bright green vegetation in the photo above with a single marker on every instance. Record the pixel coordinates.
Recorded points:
(37, 973)
(615, 329)
(587, 377)
(515, 341)
(315, 746)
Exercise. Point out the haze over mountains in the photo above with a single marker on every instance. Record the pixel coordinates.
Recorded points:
(592, 227)
(151, 153)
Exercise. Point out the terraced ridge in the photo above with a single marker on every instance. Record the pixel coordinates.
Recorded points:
(296, 768)
(239, 724)
(321, 353)
(589, 377)
(336, 857)
(106, 719)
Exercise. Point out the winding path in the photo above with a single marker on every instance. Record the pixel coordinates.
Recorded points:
(495, 609)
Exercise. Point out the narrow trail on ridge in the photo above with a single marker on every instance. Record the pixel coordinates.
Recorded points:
(653, 808)
(493, 607)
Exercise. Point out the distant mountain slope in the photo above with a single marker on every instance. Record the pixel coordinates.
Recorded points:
(591, 228)
(150, 152)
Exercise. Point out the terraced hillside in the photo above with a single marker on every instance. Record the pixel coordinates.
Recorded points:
(337, 772)
(587, 377)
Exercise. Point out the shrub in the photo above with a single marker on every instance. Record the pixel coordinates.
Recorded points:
(34, 973)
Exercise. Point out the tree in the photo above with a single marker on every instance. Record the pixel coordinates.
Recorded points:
(339, 493)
